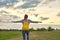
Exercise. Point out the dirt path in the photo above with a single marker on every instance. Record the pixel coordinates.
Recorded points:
(16, 38)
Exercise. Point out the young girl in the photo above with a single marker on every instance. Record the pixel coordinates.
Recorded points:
(25, 27)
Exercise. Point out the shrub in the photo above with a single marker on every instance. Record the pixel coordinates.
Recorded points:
(38, 29)
(31, 29)
(50, 28)
(43, 29)
(0, 29)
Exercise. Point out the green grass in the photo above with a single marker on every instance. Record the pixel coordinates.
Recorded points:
(4, 35)
(34, 35)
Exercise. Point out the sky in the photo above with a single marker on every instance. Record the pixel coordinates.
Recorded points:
(47, 11)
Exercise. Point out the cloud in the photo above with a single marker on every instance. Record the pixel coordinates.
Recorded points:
(10, 2)
(2, 0)
(8, 18)
(18, 4)
(3, 11)
(58, 14)
(44, 18)
(14, 16)
(28, 4)
(55, 4)
(41, 10)
(36, 15)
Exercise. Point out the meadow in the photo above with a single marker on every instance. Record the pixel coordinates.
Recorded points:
(34, 35)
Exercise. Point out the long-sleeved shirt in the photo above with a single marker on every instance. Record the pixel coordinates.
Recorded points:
(26, 23)
(29, 21)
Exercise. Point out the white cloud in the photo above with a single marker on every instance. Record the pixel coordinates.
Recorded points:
(18, 4)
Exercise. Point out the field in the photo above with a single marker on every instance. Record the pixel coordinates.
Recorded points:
(34, 35)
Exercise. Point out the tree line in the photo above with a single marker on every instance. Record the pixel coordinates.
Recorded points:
(32, 29)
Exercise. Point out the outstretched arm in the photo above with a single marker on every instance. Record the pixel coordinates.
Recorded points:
(17, 21)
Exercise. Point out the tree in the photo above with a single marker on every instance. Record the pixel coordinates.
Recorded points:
(38, 29)
(50, 28)
(31, 29)
(42, 29)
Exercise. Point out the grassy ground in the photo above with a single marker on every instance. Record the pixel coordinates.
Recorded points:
(34, 35)
(4, 35)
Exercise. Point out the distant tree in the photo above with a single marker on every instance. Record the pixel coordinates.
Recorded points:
(14, 30)
(0, 29)
(42, 29)
(50, 28)
(31, 29)
(38, 29)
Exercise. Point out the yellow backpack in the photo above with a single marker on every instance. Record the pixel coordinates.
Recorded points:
(25, 25)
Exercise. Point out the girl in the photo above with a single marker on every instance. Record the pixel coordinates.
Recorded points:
(25, 27)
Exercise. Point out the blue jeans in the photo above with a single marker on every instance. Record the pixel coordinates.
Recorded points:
(25, 34)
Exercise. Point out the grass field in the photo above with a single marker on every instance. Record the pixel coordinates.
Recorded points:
(34, 35)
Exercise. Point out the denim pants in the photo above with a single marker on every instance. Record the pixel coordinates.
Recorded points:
(25, 34)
